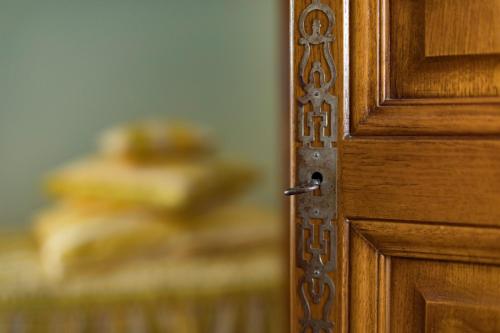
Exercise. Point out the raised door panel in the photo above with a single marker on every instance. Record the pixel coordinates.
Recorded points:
(403, 280)
(425, 67)
(451, 310)
(435, 296)
(433, 52)
(461, 33)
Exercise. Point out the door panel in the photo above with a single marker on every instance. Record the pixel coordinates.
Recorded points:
(434, 54)
(420, 277)
(470, 27)
(454, 311)
(443, 297)
(414, 72)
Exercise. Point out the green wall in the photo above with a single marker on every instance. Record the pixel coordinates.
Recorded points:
(69, 69)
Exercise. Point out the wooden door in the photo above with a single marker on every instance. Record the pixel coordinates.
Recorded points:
(410, 107)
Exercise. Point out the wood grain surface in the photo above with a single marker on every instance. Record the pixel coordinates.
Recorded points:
(419, 165)
(446, 180)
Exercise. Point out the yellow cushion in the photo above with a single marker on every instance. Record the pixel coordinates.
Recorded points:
(150, 141)
(173, 187)
(75, 239)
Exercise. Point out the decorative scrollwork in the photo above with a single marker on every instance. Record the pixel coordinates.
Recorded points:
(317, 132)
(316, 285)
(317, 93)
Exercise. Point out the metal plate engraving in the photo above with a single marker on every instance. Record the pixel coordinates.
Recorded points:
(316, 239)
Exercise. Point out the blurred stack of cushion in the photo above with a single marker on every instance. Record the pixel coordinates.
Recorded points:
(151, 184)
(154, 216)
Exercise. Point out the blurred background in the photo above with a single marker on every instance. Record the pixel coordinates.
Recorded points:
(140, 166)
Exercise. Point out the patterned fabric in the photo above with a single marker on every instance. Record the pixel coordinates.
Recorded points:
(252, 314)
(232, 294)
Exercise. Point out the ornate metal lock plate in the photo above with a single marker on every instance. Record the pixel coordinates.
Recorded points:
(316, 129)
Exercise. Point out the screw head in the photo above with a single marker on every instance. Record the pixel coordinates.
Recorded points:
(316, 155)
(316, 211)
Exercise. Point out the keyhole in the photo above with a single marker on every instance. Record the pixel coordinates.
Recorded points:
(317, 176)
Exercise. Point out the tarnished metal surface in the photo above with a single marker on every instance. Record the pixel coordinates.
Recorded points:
(316, 212)
(316, 250)
(317, 92)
